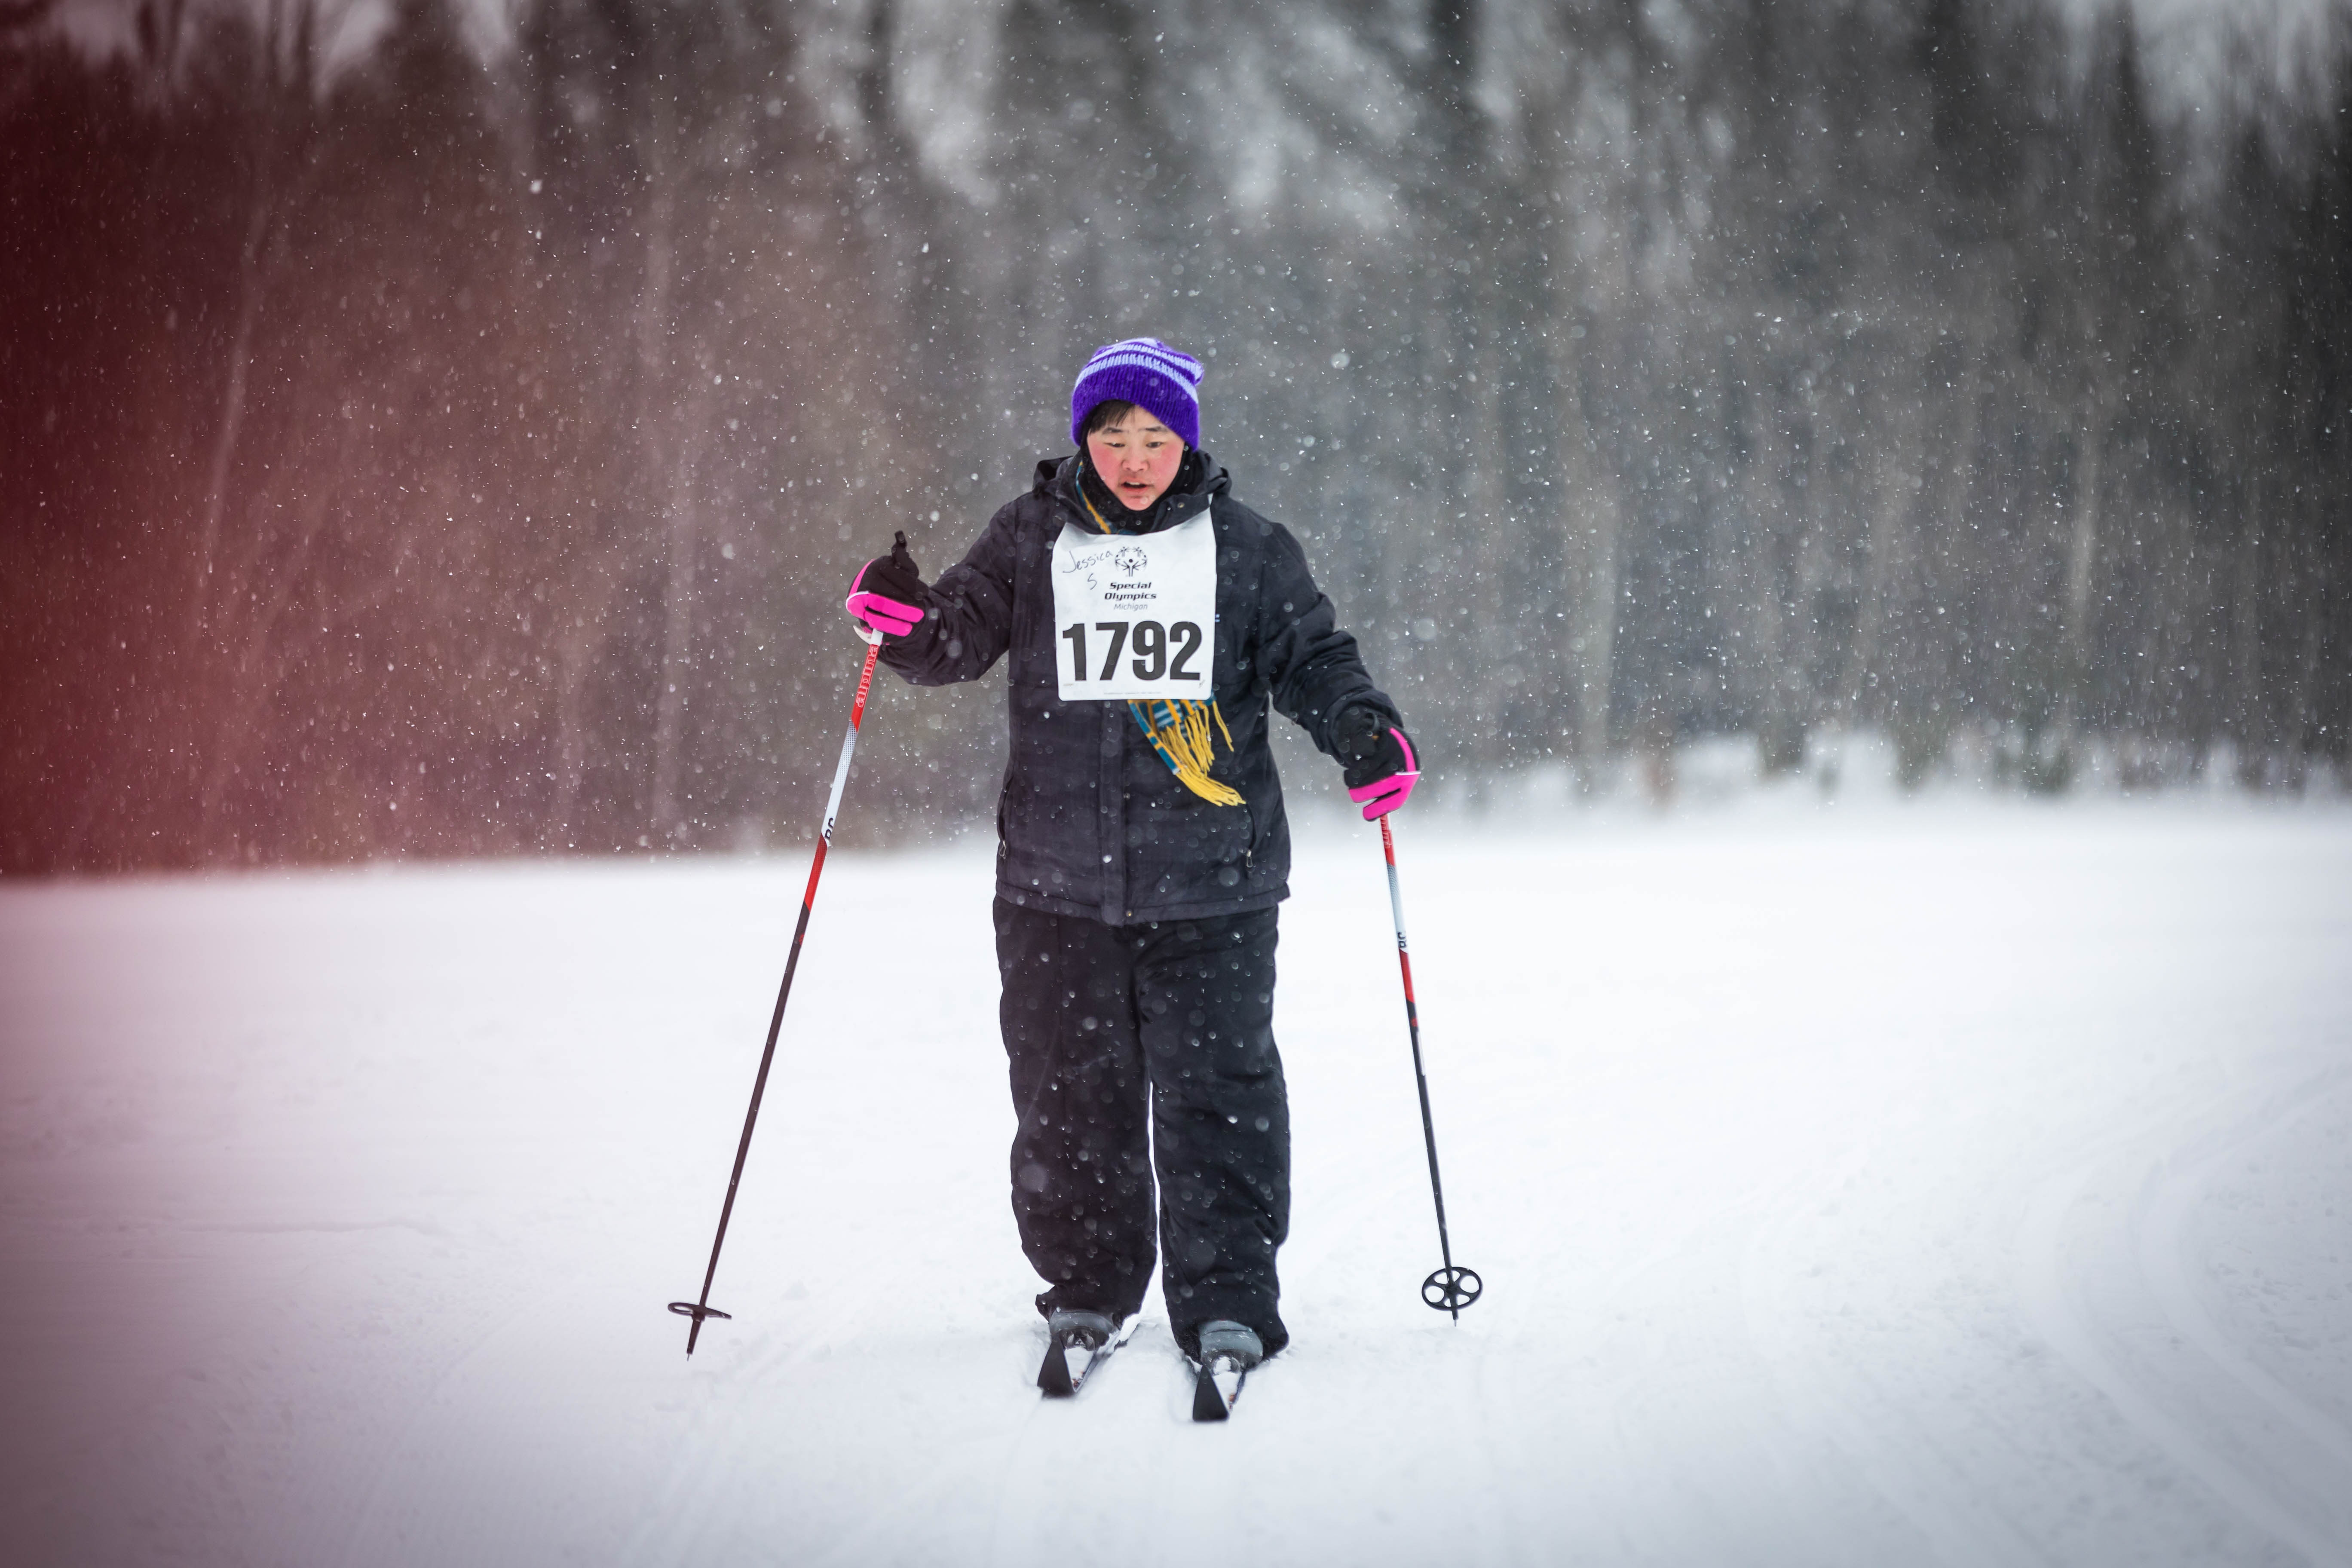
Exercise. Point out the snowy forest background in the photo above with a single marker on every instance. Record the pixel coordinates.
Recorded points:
(430, 432)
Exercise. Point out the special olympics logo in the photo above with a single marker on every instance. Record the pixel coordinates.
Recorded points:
(1130, 560)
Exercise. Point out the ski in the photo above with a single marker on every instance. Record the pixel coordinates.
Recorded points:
(1055, 1379)
(1210, 1400)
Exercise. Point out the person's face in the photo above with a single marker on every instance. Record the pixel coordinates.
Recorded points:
(1136, 456)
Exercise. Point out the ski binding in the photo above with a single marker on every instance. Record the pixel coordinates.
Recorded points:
(1228, 1352)
(1091, 1334)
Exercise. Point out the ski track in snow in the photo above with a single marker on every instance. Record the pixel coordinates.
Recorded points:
(2164, 1210)
(1956, 1185)
(2282, 1465)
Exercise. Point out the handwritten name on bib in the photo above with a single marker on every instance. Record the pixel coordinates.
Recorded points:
(1136, 615)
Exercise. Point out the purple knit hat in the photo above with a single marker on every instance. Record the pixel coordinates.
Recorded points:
(1147, 372)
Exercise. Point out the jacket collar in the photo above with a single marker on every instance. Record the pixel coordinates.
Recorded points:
(1197, 484)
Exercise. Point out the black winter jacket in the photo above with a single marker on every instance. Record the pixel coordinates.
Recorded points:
(1091, 821)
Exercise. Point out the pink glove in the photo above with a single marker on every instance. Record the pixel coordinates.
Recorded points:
(1389, 757)
(883, 593)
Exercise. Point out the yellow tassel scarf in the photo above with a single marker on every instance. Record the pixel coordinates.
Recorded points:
(1178, 730)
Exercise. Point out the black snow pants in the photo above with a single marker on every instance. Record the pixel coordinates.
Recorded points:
(1139, 1046)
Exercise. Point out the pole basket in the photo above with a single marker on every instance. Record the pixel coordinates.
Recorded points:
(1449, 1290)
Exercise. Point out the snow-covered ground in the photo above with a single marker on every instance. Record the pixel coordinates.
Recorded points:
(1963, 1184)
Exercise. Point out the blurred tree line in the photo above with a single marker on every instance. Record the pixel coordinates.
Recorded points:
(453, 447)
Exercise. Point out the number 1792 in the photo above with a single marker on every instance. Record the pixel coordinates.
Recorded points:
(1150, 659)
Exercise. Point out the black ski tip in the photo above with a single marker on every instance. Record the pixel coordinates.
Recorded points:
(1208, 1404)
(1053, 1376)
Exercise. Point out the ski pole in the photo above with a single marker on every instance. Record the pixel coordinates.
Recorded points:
(702, 1308)
(1449, 1290)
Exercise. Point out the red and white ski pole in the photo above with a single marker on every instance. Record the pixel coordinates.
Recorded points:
(1449, 1290)
(702, 1308)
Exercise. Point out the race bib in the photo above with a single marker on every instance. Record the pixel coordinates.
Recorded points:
(1135, 616)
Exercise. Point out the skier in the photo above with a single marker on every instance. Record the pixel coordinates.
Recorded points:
(1150, 619)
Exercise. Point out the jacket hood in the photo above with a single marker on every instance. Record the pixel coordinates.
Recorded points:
(1202, 479)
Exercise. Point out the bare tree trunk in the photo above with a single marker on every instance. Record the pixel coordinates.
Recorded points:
(1883, 551)
(233, 398)
(653, 323)
(2246, 725)
(1807, 703)
(1592, 524)
(1595, 636)
(1924, 741)
(656, 431)
(1593, 301)
(579, 647)
(161, 26)
(1491, 558)
(677, 608)
(575, 650)
(2311, 594)
(1766, 668)
(2082, 555)
(582, 623)
(285, 85)
(256, 678)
